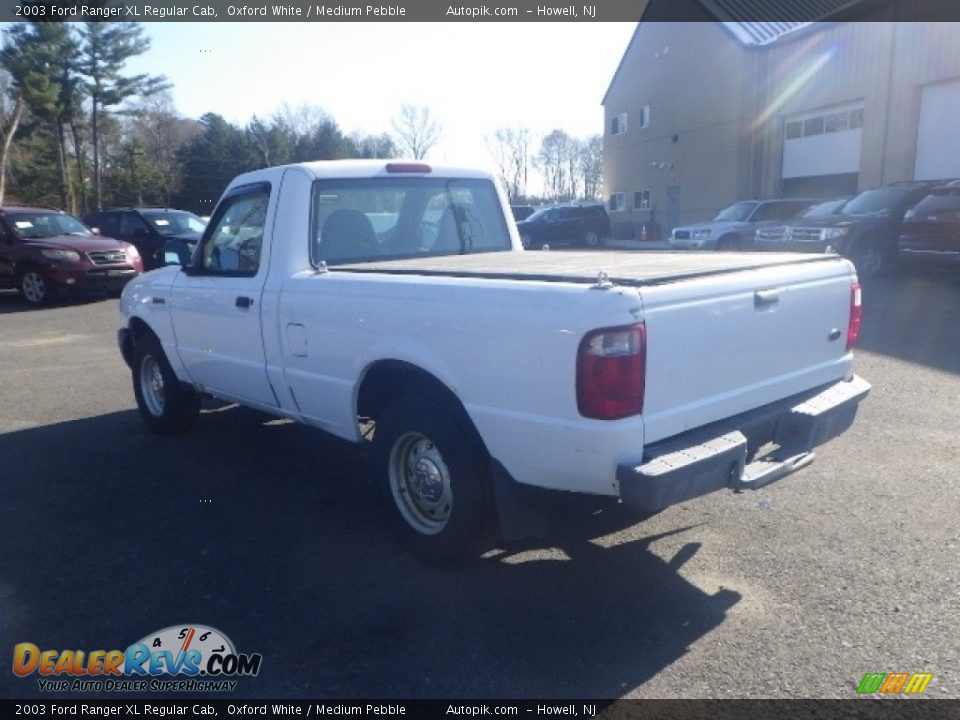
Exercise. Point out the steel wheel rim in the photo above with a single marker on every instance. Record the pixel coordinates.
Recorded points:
(420, 483)
(34, 287)
(151, 385)
(591, 239)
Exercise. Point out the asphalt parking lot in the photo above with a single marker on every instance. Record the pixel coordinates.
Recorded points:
(266, 531)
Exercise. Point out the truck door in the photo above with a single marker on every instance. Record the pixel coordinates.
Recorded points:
(215, 304)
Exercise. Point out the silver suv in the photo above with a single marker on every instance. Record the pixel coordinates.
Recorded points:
(734, 227)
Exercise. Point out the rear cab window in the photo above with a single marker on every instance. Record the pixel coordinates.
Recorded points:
(357, 220)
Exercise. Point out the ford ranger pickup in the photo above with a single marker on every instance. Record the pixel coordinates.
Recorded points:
(393, 305)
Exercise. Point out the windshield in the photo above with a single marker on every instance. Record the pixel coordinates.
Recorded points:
(175, 222)
(34, 225)
(873, 201)
(829, 207)
(738, 212)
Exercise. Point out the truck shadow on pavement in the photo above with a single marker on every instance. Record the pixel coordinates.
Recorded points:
(267, 531)
(912, 315)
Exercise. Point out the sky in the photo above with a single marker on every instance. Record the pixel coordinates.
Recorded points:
(474, 77)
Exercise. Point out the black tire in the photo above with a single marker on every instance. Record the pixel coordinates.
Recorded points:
(449, 515)
(530, 244)
(870, 259)
(728, 243)
(168, 407)
(591, 239)
(34, 287)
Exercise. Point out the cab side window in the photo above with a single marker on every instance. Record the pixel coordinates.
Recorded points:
(234, 244)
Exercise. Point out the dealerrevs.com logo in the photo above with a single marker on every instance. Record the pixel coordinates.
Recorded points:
(187, 658)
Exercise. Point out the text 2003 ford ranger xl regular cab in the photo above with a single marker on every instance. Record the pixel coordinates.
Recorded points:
(397, 296)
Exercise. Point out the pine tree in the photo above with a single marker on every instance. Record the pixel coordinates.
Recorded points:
(105, 50)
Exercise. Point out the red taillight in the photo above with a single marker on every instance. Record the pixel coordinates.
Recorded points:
(856, 310)
(408, 168)
(611, 369)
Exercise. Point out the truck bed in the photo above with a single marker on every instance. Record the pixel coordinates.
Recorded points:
(624, 268)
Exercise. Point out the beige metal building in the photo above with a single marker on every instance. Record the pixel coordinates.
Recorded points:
(700, 114)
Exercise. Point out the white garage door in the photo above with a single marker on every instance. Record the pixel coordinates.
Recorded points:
(826, 142)
(938, 132)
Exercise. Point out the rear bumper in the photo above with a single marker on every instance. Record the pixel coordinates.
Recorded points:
(722, 454)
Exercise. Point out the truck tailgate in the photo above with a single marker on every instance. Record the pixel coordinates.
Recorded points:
(720, 345)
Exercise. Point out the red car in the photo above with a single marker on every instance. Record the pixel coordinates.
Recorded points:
(47, 253)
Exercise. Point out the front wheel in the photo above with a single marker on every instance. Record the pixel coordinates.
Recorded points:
(434, 481)
(729, 243)
(165, 405)
(869, 260)
(35, 288)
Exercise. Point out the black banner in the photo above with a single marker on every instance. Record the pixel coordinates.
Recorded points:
(478, 11)
(865, 709)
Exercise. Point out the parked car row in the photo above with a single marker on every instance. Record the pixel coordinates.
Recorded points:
(47, 253)
(873, 228)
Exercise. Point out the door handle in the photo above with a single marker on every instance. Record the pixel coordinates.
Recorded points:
(244, 302)
(763, 298)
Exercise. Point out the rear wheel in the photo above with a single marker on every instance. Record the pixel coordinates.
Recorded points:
(166, 405)
(434, 480)
(35, 288)
(591, 239)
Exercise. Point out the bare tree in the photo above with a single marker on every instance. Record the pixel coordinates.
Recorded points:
(416, 130)
(160, 130)
(591, 166)
(510, 148)
(554, 162)
(301, 120)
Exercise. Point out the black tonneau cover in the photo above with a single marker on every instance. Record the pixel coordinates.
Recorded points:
(622, 268)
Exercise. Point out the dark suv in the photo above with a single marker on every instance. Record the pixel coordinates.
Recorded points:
(865, 229)
(153, 230)
(931, 230)
(565, 225)
(44, 253)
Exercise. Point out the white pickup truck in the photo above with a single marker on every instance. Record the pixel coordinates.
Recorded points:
(392, 303)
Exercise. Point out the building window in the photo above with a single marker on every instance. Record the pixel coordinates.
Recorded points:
(813, 126)
(618, 124)
(645, 116)
(641, 200)
(616, 202)
(827, 122)
(835, 122)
